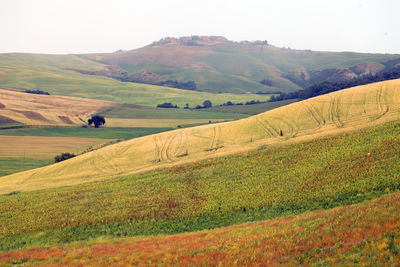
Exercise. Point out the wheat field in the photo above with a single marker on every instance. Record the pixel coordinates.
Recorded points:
(326, 115)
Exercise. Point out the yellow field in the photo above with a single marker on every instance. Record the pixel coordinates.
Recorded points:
(331, 114)
(43, 146)
(33, 109)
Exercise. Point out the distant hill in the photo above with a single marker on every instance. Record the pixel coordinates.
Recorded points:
(325, 115)
(215, 64)
(196, 63)
(57, 75)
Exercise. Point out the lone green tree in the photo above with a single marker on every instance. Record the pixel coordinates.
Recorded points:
(97, 120)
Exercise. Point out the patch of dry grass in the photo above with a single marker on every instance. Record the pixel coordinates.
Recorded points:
(33, 109)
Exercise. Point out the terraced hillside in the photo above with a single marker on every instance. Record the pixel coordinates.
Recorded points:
(350, 109)
(365, 234)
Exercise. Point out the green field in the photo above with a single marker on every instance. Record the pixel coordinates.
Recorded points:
(132, 112)
(268, 183)
(14, 165)
(21, 153)
(106, 133)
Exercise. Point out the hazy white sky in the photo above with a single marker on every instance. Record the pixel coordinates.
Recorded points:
(81, 26)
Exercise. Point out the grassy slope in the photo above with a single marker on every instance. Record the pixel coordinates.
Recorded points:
(231, 67)
(264, 184)
(365, 234)
(325, 115)
(48, 73)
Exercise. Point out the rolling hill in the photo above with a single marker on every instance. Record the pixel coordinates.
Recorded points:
(56, 75)
(277, 181)
(216, 64)
(326, 115)
(207, 64)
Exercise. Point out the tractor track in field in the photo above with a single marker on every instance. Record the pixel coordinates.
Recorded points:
(181, 148)
(334, 113)
(317, 117)
(215, 138)
(157, 150)
(382, 103)
(161, 154)
(293, 130)
(165, 153)
(176, 149)
(266, 127)
(167, 147)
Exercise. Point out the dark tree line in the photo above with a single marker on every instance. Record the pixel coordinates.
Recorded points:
(37, 92)
(188, 85)
(328, 87)
(206, 104)
(167, 105)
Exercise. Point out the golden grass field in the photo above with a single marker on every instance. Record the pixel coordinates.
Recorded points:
(326, 115)
(33, 109)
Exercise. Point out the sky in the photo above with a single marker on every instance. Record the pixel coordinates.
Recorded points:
(92, 26)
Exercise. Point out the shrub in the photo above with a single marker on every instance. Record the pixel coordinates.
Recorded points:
(63, 157)
(207, 104)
